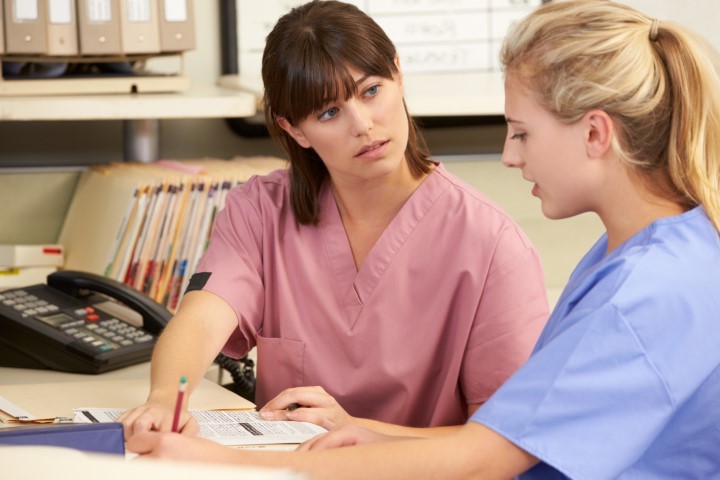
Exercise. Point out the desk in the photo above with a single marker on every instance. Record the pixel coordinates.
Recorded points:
(16, 376)
(20, 463)
(44, 393)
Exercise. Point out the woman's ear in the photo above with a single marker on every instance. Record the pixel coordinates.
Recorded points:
(599, 134)
(399, 74)
(293, 131)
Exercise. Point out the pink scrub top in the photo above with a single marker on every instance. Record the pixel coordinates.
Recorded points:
(446, 306)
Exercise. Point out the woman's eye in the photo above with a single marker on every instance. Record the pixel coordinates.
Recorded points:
(518, 136)
(372, 91)
(328, 114)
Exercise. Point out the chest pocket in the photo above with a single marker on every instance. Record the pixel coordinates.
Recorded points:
(280, 365)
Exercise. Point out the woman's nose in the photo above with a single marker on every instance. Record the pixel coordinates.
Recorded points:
(361, 121)
(509, 158)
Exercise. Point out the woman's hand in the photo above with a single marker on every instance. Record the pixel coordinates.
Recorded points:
(155, 417)
(172, 446)
(317, 406)
(344, 436)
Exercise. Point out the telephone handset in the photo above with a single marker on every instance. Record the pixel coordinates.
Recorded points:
(67, 324)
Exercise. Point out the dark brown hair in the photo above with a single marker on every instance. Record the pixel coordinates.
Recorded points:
(305, 67)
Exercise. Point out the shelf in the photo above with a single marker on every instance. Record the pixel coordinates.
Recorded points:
(206, 102)
(93, 86)
(140, 112)
(137, 79)
(427, 95)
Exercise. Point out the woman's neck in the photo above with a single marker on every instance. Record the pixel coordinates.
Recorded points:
(376, 200)
(632, 210)
(366, 209)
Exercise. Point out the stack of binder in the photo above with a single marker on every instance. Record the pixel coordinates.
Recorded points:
(147, 225)
(23, 265)
(95, 30)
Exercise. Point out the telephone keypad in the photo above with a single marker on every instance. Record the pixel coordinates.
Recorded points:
(84, 324)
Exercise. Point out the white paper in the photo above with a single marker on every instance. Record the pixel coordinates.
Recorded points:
(14, 411)
(228, 427)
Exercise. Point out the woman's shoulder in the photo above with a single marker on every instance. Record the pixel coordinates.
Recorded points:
(671, 270)
(473, 208)
(267, 192)
(275, 181)
(476, 222)
(272, 180)
(682, 250)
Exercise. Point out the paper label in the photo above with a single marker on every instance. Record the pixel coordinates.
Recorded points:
(26, 10)
(60, 12)
(99, 10)
(138, 11)
(176, 10)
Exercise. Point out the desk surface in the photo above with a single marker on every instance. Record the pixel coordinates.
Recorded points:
(13, 376)
(21, 463)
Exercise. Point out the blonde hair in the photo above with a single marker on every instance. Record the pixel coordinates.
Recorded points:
(657, 80)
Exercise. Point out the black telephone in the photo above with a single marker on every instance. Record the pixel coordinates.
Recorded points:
(70, 324)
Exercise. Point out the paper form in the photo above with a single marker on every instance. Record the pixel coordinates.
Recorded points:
(227, 427)
(13, 410)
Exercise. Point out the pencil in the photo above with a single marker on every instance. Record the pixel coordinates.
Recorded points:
(178, 404)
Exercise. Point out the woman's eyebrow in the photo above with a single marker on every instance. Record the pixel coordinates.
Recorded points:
(362, 79)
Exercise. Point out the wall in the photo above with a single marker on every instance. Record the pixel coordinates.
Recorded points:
(26, 144)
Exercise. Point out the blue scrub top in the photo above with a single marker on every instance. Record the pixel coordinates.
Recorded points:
(624, 381)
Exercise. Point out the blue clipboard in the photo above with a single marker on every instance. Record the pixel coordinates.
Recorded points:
(88, 437)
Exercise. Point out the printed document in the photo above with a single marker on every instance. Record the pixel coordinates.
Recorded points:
(228, 427)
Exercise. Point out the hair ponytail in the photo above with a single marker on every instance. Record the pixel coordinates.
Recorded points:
(693, 155)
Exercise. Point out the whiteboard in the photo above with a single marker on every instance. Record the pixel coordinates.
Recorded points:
(449, 49)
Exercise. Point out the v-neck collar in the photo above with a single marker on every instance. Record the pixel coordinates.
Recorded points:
(353, 286)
